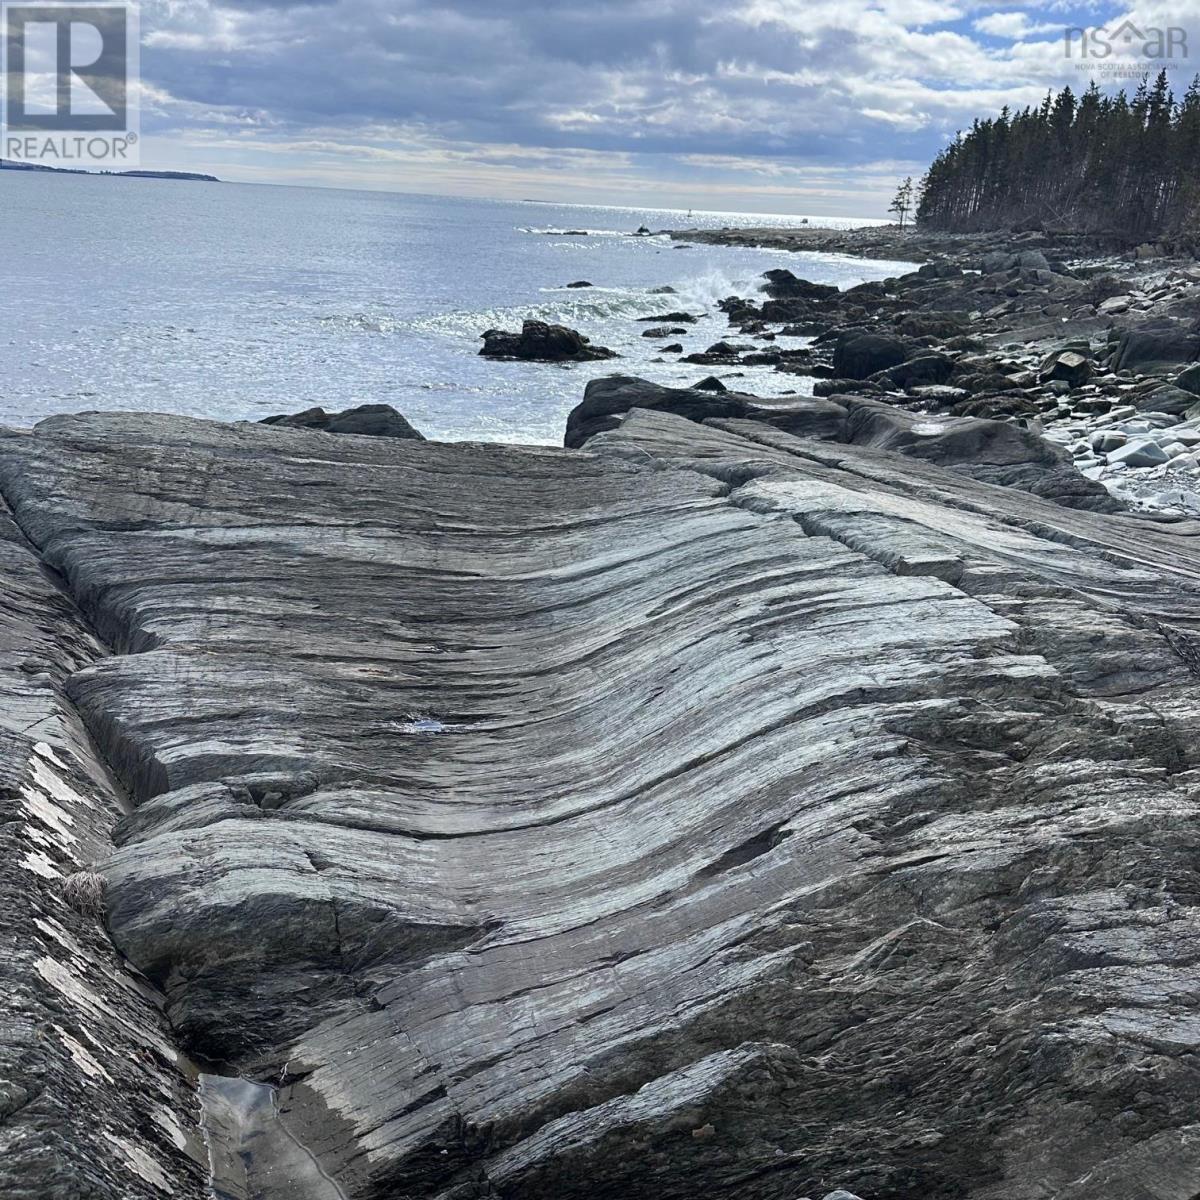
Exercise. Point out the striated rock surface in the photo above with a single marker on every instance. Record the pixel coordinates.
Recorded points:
(95, 1101)
(718, 812)
(993, 451)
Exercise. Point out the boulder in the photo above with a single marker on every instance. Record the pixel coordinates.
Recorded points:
(671, 318)
(1160, 345)
(580, 283)
(541, 342)
(370, 420)
(1174, 401)
(783, 285)
(859, 355)
(1189, 380)
(1139, 453)
(922, 370)
(1066, 366)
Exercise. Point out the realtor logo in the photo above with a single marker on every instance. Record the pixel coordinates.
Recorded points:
(1129, 41)
(69, 74)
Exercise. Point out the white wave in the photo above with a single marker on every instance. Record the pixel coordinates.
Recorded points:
(553, 231)
(706, 290)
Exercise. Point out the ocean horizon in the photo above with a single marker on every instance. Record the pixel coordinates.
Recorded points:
(240, 301)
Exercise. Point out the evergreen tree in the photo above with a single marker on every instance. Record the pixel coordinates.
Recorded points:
(1127, 166)
(903, 202)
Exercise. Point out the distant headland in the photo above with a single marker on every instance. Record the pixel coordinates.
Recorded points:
(7, 164)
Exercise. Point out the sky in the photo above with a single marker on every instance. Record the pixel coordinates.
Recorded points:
(770, 106)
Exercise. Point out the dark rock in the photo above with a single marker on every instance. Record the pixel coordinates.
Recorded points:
(1189, 380)
(665, 290)
(673, 348)
(662, 331)
(370, 420)
(783, 285)
(860, 355)
(710, 384)
(580, 283)
(1174, 401)
(918, 371)
(932, 324)
(1066, 366)
(671, 318)
(539, 342)
(1156, 346)
(607, 400)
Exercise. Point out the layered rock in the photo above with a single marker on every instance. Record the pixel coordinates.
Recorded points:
(995, 451)
(716, 812)
(95, 1100)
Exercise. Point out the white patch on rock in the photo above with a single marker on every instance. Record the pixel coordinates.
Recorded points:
(82, 1056)
(141, 1163)
(37, 862)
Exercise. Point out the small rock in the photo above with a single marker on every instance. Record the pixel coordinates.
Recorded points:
(1138, 454)
(1067, 366)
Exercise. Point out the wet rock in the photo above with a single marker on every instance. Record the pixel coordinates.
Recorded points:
(671, 318)
(540, 342)
(662, 331)
(580, 283)
(783, 285)
(369, 420)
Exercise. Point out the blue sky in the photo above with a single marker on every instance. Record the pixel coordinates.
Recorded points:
(799, 106)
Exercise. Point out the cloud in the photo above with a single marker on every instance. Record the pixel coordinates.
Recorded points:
(633, 92)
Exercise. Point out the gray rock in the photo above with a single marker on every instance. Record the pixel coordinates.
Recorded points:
(1189, 379)
(565, 825)
(1173, 401)
(1139, 454)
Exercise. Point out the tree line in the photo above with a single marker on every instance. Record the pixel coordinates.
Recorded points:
(1123, 166)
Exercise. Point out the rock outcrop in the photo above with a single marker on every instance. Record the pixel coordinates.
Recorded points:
(540, 342)
(717, 812)
(1000, 452)
(371, 420)
(95, 1100)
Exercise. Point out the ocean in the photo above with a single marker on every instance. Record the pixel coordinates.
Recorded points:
(237, 301)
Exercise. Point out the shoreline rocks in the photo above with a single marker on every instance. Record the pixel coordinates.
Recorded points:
(541, 342)
(370, 420)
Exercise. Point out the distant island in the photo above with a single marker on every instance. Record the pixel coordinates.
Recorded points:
(8, 165)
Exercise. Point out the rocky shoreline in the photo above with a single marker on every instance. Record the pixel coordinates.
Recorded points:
(1093, 347)
(756, 798)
